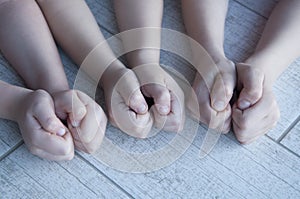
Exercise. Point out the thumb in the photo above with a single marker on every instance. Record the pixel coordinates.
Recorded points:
(252, 88)
(49, 122)
(129, 88)
(68, 102)
(222, 91)
(161, 96)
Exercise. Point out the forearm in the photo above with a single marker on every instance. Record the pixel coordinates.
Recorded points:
(138, 14)
(77, 32)
(26, 42)
(204, 21)
(10, 100)
(280, 41)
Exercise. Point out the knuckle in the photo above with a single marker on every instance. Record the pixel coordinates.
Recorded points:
(91, 148)
(34, 141)
(243, 123)
(87, 138)
(242, 138)
(50, 123)
(34, 150)
(66, 150)
(69, 156)
(254, 93)
(140, 133)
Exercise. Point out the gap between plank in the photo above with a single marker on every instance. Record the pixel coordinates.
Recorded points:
(98, 170)
(11, 150)
(254, 11)
(283, 146)
(286, 132)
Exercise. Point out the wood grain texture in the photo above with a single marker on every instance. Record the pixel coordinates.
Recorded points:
(9, 131)
(264, 169)
(261, 7)
(26, 176)
(261, 170)
(292, 139)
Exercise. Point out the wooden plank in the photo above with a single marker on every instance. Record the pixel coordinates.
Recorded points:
(9, 132)
(26, 176)
(261, 170)
(287, 92)
(292, 139)
(9, 136)
(261, 7)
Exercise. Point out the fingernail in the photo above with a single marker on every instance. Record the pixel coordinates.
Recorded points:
(142, 108)
(75, 123)
(163, 109)
(61, 132)
(243, 104)
(219, 105)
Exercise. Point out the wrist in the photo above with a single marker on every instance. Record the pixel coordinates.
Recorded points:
(143, 56)
(13, 101)
(263, 65)
(112, 74)
(51, 83)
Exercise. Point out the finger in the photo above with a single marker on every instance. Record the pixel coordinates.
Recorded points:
(49, 156)
(243, 123)
(68, 102)
(251, 140)
(137, 102)
(175, 120)
(266, 105)
(129, 88)
(94, 123)
(222, 91)
(220, 121)
(252, 90)
(48, 120)
(247, 136)
(137, 125)
(92, 146)
(161, 97)
(197, 102)
(51, 143)
(227, 126)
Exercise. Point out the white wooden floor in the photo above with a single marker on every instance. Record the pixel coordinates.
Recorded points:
(269, 168)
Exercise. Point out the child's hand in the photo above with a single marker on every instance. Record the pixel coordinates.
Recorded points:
(86, 119)
(43, 133)
(169, 108)
(127, 108)
(250, 124)
(256, 110)
(214, 93)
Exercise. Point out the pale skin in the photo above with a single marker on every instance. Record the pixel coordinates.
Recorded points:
(63, 18)
(28, 45)
(156, 83)
(276, 49)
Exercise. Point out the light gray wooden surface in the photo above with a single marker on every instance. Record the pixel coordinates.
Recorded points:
(269, 168)
(26, 176)
(292, 140)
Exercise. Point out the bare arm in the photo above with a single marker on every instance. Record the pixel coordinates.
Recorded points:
(279, 45)
(277, 48)
(144, 19)
(214, 84)
(132, 14)
(10, 98)
(26, 41)
(76, 30)
(204, 21)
